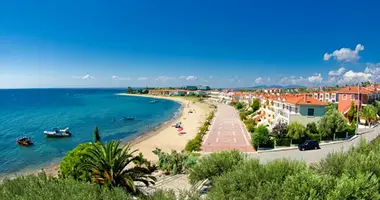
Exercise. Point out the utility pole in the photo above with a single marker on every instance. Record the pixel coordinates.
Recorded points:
(357, 114)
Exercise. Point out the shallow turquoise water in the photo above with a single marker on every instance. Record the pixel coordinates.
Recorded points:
(30, 112)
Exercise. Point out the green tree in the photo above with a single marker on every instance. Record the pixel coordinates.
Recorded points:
(352, 112)
(129, 90)
(109, 166)
(255, 105)
(332, 122)
(377, 106)
(70, 165)
(280, 130)
(239, 105)
(296, 130)
(368, 113)
(311, 128)
(331, 106)
(97, 135)
(260, 136)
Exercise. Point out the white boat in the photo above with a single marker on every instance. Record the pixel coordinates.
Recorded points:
(58, 133)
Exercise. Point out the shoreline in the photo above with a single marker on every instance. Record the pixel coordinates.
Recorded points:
(145, 142)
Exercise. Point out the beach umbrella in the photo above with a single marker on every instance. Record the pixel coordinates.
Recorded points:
(180, 129)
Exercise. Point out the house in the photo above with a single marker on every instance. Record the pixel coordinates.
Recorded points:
(292, 108)
(351, 94)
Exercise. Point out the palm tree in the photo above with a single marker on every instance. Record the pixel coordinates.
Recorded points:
(108, 164)
(368, 113)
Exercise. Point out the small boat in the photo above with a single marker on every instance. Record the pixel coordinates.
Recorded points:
(58, 133)
(129, 118)
(25, 141)
(153, 101)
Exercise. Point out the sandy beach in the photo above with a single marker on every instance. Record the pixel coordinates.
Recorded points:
(165, 137)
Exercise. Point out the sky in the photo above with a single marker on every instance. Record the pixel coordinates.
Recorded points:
(121, 43)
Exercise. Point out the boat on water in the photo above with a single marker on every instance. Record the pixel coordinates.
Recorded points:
(153, 101)
(25, 141)
(58, 133)
(129, 118)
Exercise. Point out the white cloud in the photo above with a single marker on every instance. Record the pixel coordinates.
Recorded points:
(191, 78)
(142, 78)
(210, 77)
(259, 80)
(292, 80)
(338, 72)
(116, 78)
(345, 54)
(164, 78)
(354, 77)
(374, 70)
(317, 78)
(182, 77)
(85, 77)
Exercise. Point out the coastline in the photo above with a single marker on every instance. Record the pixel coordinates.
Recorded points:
(162, 136)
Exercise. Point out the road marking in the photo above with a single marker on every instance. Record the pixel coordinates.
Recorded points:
(217, 139)
(235, 140)
(233, 132)
(243, 132)
(218, 133)
(220, 127)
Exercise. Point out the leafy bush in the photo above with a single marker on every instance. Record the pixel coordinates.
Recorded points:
(41, 187)
(175, 162)
(243, 115)
(250, 125)
(260, 136)
(350, 175)
(215, 165)
(196, 143)
(283, 141)
(70, 165)
(316, 137)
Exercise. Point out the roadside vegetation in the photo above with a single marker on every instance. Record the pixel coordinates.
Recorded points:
(196, 143)
(350, 175)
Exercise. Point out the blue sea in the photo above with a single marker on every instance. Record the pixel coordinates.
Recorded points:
(28, 112)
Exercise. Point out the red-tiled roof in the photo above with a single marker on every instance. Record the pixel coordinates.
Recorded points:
(351, 89)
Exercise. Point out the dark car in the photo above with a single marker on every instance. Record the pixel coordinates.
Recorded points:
(308, 144)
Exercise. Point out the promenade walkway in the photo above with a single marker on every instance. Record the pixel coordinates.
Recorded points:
(227, 132)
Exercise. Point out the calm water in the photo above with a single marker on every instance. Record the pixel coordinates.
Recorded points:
(30, 112)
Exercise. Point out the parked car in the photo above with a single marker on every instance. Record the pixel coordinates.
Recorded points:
(308, 144)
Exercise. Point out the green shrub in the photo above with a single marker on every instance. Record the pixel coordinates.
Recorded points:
(316, 137)
(69, 167)
(41, 187)
(196, 143)
(283, 141)
(215, 165)
(243, 115)
(174, 162)
(260, 136)
(250, 125)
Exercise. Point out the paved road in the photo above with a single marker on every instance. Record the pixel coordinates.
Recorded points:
(315, 155)
(227, 132)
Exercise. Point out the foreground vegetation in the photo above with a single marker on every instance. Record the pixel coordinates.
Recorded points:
(342, 175)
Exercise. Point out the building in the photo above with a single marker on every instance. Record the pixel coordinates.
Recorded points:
(350, 94)
(189, 87)
(203, 87)
(288, 109)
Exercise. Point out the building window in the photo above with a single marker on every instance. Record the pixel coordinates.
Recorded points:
(310, 112)
(296, 109)
(344, 97)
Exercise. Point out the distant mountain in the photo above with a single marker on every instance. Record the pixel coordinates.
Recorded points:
(270, 86)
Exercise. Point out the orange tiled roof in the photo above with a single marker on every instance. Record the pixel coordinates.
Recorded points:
(351, 89)
(300, 100)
